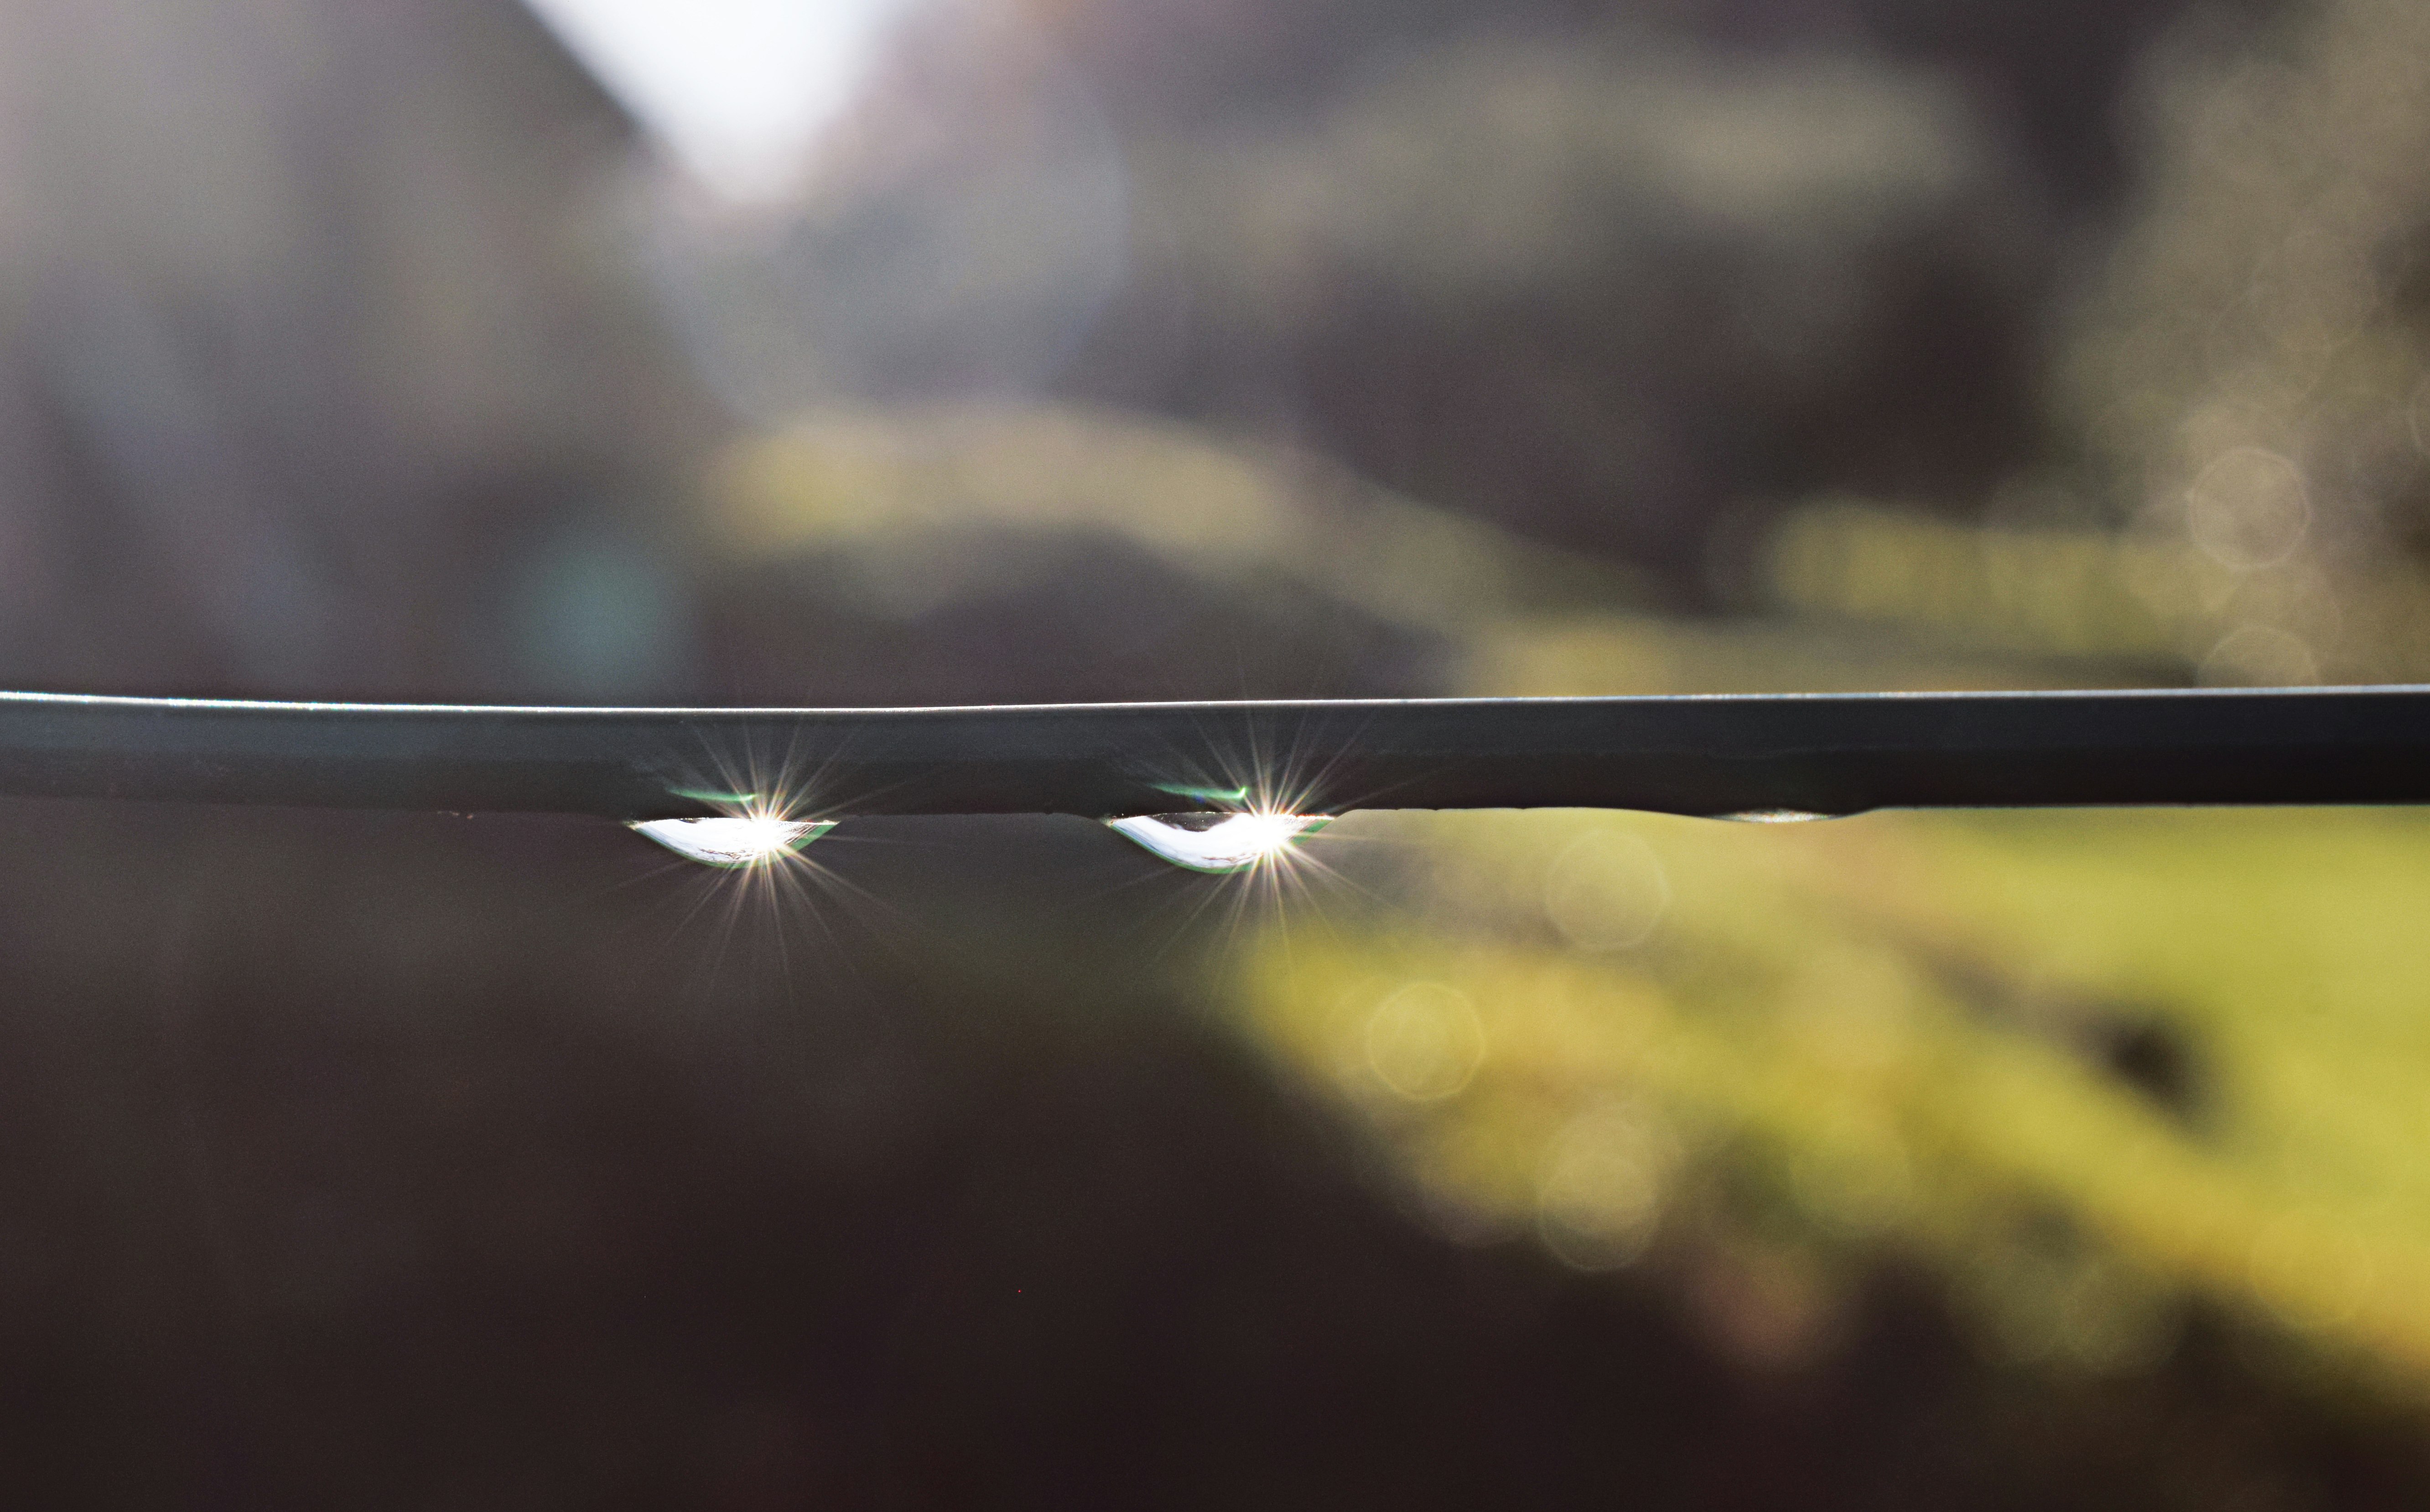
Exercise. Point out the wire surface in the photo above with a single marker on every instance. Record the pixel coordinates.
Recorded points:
(1825, 754)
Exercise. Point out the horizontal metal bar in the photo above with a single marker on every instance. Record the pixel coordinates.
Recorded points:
(1826, 754)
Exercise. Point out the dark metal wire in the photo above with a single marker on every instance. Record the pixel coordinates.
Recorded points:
(1825, 754)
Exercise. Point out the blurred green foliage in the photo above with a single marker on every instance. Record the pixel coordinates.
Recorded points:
(2087, 1065)
(2089, 1069)
(2096, 1073)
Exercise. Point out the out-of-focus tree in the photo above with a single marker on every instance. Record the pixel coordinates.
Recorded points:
(2249, 368)
(1609, 275)
(319, 370)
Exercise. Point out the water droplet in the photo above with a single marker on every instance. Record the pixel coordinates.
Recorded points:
(750, 840)
(1216, 842)
(1777, 816)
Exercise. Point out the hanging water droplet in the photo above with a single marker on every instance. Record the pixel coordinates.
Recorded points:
(749, 841)
(1218, 841)
(1777, 816)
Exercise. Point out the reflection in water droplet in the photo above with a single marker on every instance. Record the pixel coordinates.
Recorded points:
(751, 841)
(1218, 842)
(1777, 816)
(1204, 794)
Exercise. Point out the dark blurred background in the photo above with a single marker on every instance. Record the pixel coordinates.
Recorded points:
(931, 350)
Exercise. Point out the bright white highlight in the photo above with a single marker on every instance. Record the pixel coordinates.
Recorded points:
(754, 840)
(737, 90)
(1218, 842)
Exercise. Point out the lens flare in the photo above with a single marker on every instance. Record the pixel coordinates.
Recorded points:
(1218, 842)
(742, 840)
